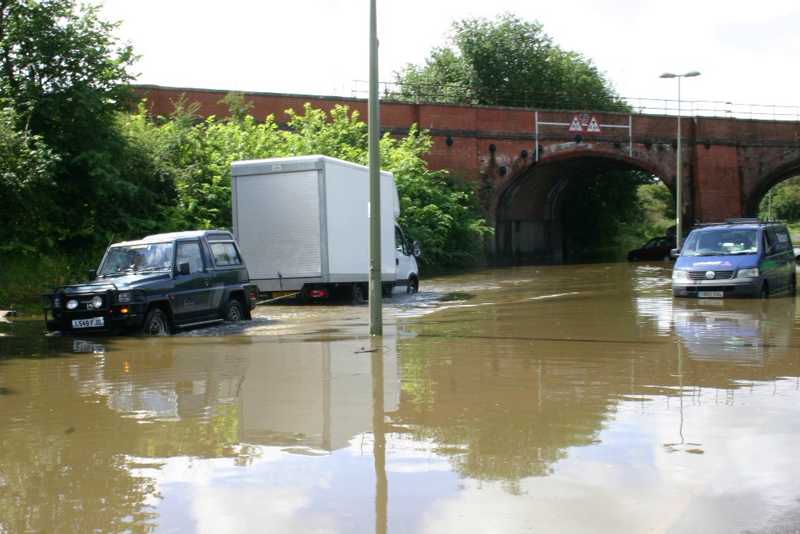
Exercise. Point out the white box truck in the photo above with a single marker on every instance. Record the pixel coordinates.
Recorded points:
(302, 224)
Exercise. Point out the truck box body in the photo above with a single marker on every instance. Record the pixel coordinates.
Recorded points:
(305, 220)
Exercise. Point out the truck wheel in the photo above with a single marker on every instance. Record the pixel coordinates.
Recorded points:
(233, 311)
(387, 290)
(413, 286)
(358, 295)
(156, 323)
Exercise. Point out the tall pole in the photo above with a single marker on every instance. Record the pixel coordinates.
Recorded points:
(678, 171)
(678, 180)
(375, 293)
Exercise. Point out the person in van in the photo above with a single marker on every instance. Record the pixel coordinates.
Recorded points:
(742, 257)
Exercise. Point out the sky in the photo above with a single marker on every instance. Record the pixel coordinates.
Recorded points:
(747, 52)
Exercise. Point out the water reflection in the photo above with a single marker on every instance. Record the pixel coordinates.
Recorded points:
(508, 415)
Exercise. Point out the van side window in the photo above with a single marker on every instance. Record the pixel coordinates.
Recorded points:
(400, 241)
(783, 239)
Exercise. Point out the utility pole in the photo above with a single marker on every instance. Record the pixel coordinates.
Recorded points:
(374, 125)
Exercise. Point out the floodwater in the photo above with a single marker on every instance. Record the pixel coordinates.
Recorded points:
(539, 399)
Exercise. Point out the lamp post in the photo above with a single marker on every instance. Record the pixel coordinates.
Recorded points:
(678, 179)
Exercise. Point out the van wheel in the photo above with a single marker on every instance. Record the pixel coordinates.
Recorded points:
(233, 311)
(156, 323)
(765, 291)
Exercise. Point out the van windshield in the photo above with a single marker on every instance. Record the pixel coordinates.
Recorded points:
(721, 242)
(137, 258)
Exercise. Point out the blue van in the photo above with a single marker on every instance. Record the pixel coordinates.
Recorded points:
(741, 257)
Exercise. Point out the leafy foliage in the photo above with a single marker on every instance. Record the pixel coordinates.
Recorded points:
(782, 201)
(443, 216)
(511, 62)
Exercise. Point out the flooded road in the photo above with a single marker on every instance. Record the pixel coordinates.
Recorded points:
(538, 399)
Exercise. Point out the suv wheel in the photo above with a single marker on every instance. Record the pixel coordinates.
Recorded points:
(233, 311)
(156, 323)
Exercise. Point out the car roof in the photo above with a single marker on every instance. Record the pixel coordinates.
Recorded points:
(211, 235)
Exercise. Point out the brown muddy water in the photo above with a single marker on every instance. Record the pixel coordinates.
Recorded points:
(557, 399)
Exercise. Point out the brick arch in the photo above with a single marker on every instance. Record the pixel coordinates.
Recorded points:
(772, 178)
(527, 207)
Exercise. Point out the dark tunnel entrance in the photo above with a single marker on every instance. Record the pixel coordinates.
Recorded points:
(583, 208)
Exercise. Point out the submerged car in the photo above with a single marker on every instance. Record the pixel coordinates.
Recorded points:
(156, 285)
(656, 249)
(746, 258)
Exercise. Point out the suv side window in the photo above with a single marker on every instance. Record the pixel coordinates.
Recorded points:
(225, 254)
(189, 252)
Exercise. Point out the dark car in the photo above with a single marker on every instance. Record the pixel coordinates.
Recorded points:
(657, 248)
(157, 284)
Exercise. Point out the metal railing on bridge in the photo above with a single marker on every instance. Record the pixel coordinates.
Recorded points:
(455, 93)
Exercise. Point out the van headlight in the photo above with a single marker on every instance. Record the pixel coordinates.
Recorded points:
(680, 274)
(748, 273)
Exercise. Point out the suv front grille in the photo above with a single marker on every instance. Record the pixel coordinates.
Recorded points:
(719, 275)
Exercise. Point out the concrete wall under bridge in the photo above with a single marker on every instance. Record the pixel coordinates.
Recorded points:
(520, 160)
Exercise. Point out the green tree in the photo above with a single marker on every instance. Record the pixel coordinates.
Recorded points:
(511, 62)
(782, 201)
(26, 165)
(66, 76)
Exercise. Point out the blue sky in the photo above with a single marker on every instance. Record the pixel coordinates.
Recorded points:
(747, 52)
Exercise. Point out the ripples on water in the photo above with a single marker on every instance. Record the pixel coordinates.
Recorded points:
(498, 401)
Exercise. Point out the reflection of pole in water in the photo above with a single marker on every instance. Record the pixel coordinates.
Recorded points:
(379, 440)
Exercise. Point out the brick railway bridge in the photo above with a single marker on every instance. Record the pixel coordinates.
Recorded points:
(521, 160)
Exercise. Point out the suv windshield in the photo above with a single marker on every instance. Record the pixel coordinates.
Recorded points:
(137, 258)
(721, 242)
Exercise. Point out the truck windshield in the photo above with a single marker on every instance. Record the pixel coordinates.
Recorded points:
(721, 242)
(137, 258)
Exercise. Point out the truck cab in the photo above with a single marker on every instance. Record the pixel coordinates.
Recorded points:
(156, 285)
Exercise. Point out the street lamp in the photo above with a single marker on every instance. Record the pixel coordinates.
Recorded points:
(678, 183)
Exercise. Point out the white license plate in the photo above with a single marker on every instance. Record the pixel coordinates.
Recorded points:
(94, 322)
(711, 294)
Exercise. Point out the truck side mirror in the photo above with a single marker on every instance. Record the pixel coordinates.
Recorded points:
(92, 274)
(416, 249)
(184, 268)
(674, 253)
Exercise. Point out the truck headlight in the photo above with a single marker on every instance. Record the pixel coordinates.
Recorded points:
(97, 302)
(72, 304)
(748, 273)
(124, 297)
(680, 274)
